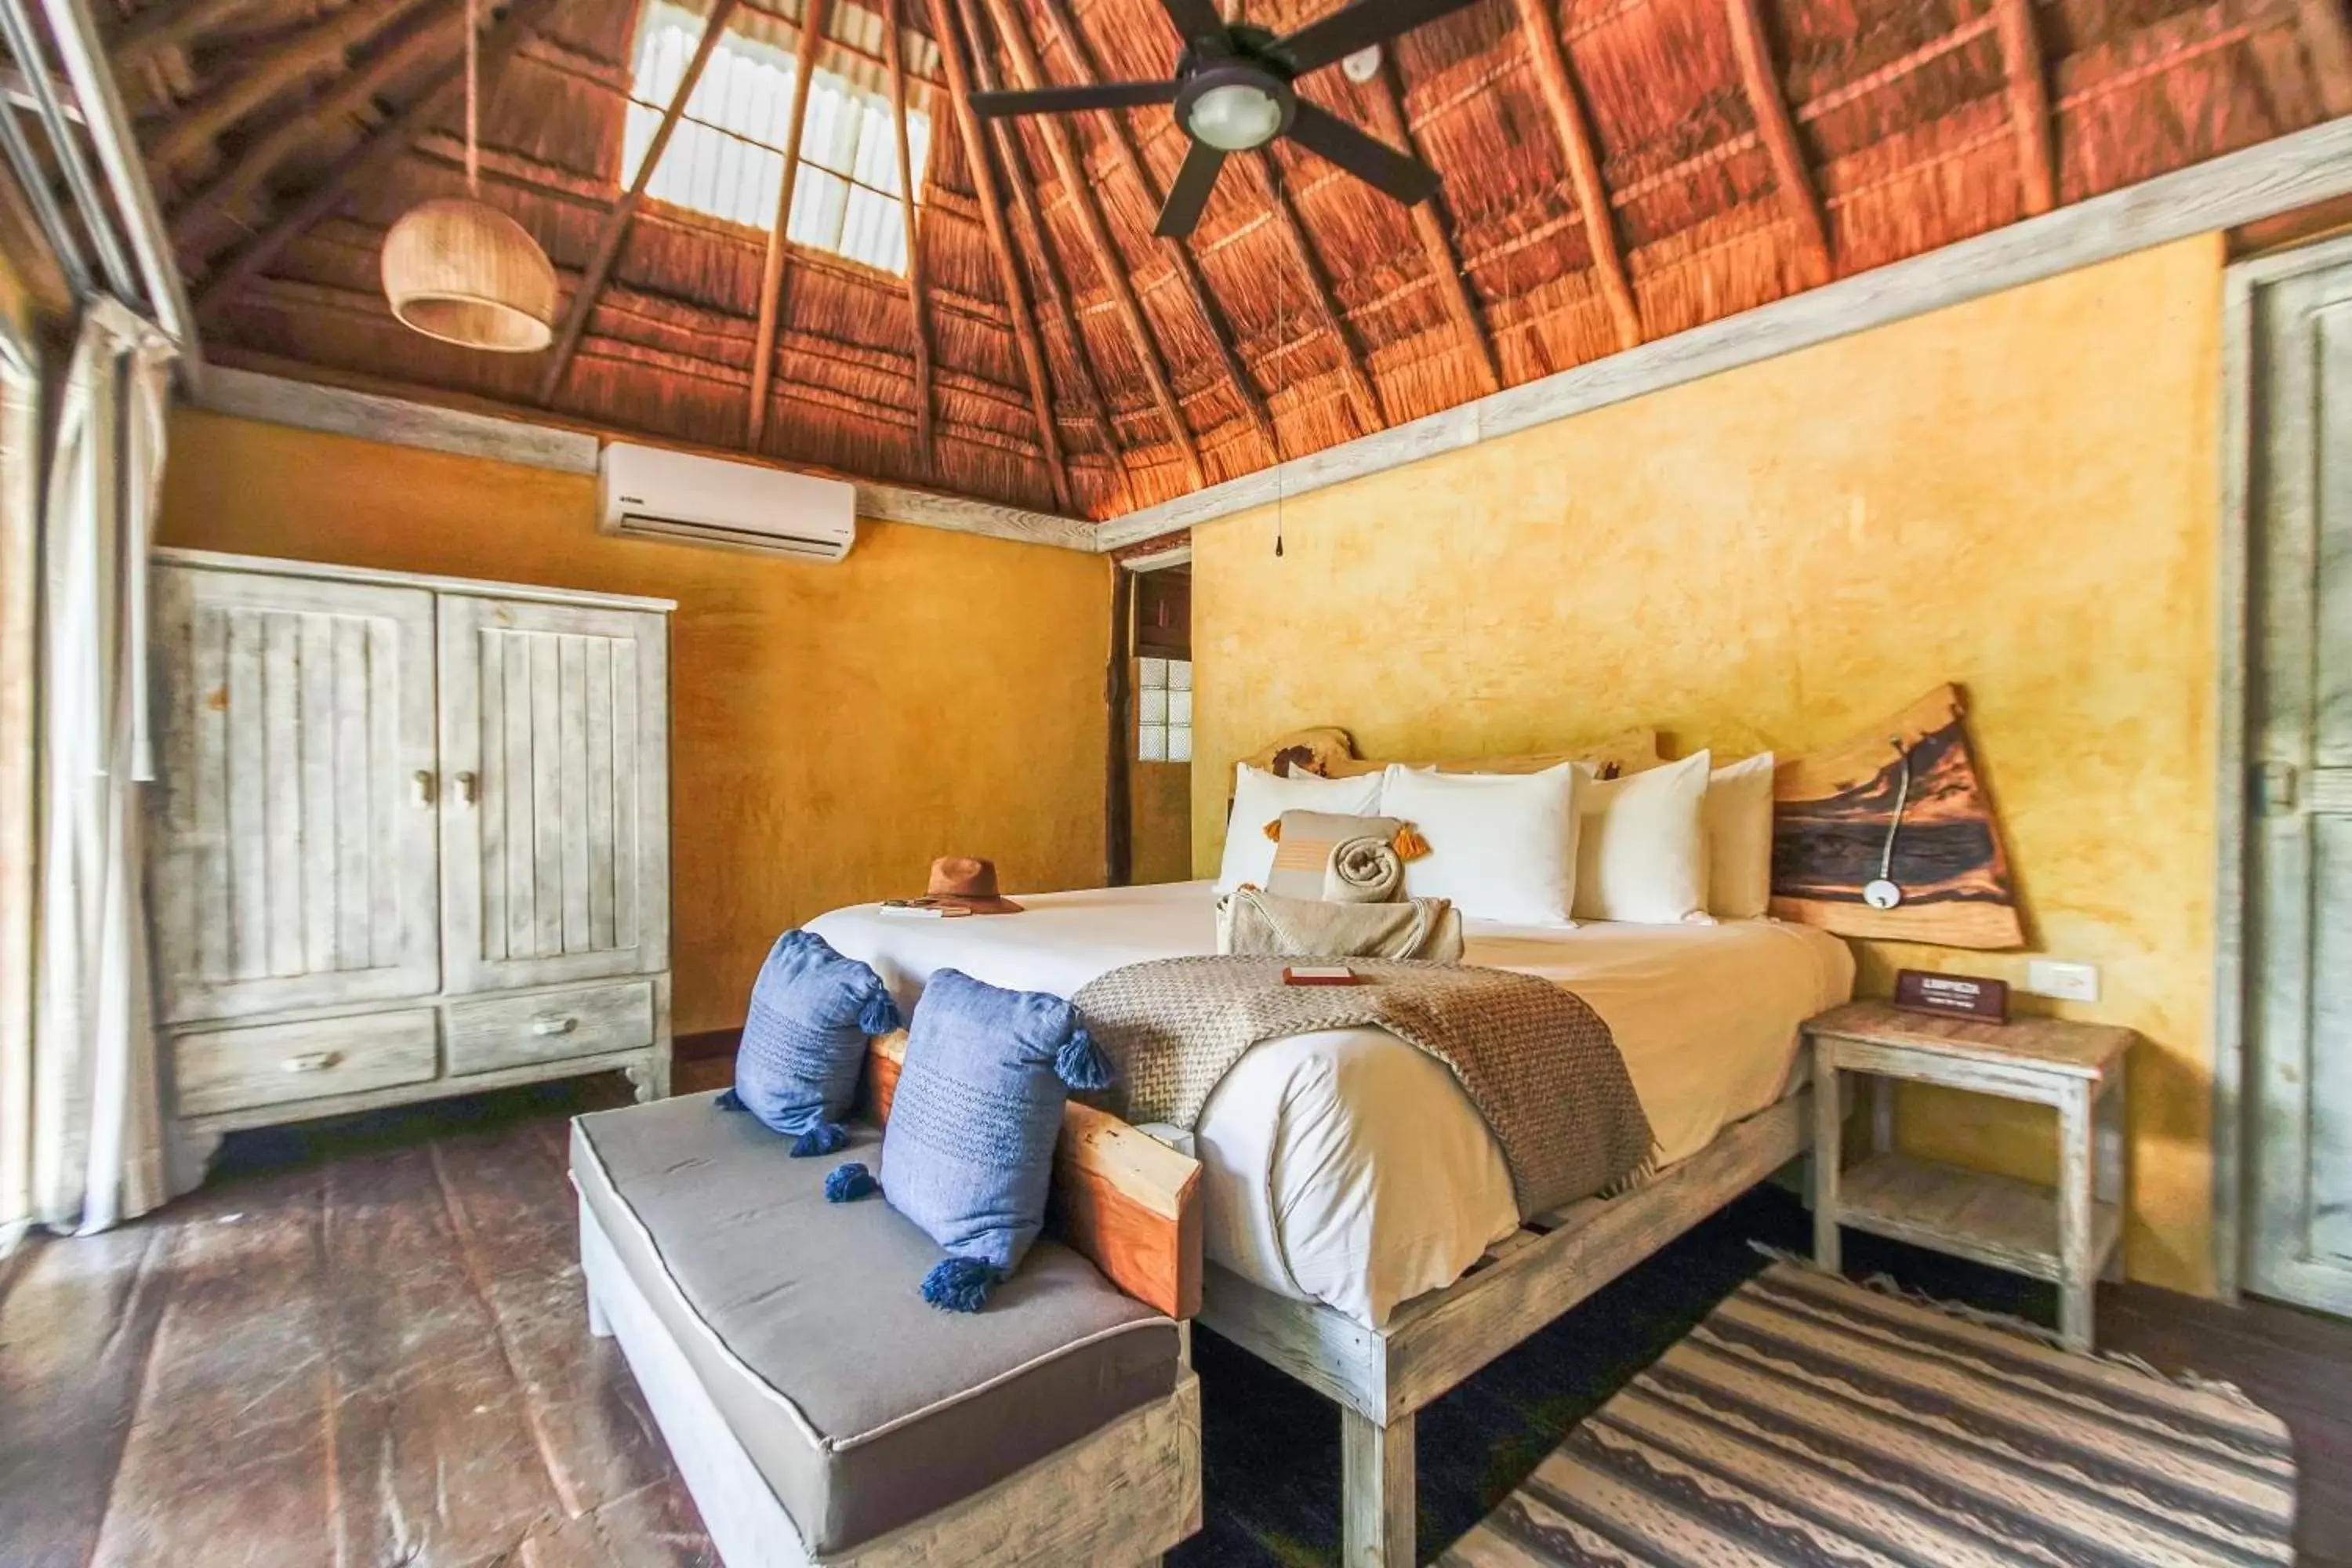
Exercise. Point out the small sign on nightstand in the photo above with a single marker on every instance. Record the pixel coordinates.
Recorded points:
(1954, 996)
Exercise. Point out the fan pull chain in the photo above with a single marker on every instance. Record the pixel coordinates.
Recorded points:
(473, 106)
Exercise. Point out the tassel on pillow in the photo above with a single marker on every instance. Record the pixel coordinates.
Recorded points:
(1080, 1062)
(960, 1284)
(1409, 844)
(824, 1138)
(1273, 831)
(848, 1184)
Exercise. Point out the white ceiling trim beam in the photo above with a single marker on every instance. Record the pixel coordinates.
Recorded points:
(2262, 182)
(376, 416)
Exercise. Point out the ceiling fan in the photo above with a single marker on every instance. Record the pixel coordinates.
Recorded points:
(1232, 93)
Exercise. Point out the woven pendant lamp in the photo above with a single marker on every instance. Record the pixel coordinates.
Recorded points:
(460, 270)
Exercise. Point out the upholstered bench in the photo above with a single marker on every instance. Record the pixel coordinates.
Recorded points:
(822, 1413)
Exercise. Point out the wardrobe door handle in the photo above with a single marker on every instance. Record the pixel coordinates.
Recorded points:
(469, 788)
(420, 784)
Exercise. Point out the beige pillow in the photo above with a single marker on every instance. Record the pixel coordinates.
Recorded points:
(1640, 846)
(1738, 816)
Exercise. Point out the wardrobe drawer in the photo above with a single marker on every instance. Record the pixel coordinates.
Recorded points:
(272, 1064)
(515, 1031)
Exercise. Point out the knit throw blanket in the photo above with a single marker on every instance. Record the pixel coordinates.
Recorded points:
(1538, 1063)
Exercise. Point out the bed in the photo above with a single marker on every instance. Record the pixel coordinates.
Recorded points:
(1359, 1227)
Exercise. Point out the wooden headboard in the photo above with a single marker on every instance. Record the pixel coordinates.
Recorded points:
(1127, 1202)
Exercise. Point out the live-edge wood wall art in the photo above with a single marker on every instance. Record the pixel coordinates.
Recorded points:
(1832, 813)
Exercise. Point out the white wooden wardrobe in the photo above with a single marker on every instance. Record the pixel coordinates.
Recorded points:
(411, 837)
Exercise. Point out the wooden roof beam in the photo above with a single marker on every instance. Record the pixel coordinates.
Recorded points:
(1569, 124)
(1762, 86)
(320, 49)
(1436, 245)
(1107, 261)
(174, 25)
(772, 272)
(1031, 70)
(1036, 241)
(441, 33)
(1318, 285)
(917, 304)
(2327, 40)
(1008, 272)
(2029, 105)
(370, 158)
(615, 227)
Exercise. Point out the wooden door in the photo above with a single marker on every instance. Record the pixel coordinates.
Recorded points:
(555, 828)
(296, 857)
(2301, 890)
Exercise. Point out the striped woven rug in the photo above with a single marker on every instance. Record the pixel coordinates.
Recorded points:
(1813, 1421)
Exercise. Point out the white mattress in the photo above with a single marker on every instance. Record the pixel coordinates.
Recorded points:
(1346, 1166)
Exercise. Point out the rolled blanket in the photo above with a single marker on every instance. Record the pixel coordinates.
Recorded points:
(1253, 922)
(1363, 870)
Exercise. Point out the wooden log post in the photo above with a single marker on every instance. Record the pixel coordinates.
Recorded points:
(1429, 228)
(1569, 121)
(772, 270)
(2028, 106)
(1076, 185)
(1000, 246)
(917, 307)
(1779, 133)
(615, 227)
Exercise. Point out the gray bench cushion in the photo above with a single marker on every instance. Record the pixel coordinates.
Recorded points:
(864, 1408)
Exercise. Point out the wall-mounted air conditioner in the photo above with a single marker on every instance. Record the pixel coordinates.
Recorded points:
(647, 493)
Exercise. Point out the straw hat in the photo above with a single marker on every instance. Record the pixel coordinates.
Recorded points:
(962, 881)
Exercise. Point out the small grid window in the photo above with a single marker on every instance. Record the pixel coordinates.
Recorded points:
(726, 159)
(1164, 710)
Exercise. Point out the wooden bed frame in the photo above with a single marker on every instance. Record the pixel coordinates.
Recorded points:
(1133, 1205)
(1381, 1377)
(1124, 1494)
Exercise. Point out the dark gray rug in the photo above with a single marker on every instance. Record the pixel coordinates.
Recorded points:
(1809, 1420)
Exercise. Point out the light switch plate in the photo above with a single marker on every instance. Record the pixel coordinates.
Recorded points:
(2067, 982)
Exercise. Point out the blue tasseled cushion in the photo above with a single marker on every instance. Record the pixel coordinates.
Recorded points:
(968, 1149)
(810, 1013)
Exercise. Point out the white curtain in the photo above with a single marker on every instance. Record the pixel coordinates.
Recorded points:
(97, 1131)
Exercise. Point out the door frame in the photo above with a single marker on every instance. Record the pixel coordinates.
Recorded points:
(2236, 654)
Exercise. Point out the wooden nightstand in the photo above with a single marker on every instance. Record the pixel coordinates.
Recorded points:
(2068, 1235)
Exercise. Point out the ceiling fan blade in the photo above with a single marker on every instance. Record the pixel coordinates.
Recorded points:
(1196, 19)
(1054, 100)
(1374, 161)
(1361, 26)
(1190, 194)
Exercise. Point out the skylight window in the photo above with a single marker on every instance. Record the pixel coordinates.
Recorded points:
(727, 157)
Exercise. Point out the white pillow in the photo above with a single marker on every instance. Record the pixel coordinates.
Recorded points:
(1501, 846)
(1641, 852)
(1261, 797)
(1738, 816)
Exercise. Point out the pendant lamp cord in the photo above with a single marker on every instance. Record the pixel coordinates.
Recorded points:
(473, 107)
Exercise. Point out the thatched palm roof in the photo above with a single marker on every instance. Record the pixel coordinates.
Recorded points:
(1615, 171)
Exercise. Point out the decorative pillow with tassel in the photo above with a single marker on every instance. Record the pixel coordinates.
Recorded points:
(968, 1152)
(804, 1041)
(1343, 860)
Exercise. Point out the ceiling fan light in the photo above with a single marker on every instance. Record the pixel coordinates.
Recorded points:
(1234, 117)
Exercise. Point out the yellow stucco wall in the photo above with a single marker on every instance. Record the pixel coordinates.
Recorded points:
(2019, 494)
(832, 727)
